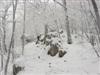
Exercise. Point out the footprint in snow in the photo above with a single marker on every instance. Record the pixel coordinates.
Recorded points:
(49, 65)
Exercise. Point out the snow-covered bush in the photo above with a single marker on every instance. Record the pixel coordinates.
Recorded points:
(53, 40)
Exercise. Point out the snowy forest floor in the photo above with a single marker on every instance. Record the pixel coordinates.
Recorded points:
(80, 59)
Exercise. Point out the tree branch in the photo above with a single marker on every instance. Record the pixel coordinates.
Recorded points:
(60, 4)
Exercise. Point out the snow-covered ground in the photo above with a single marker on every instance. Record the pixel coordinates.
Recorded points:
(79, 60)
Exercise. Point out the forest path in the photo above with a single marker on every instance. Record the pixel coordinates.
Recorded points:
(79, 60)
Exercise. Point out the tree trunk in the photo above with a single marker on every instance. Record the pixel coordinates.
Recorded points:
(46, 32)
(23, 40)
(1, 62)
(1, 54)
(4, 26)
(4, 32)
(69, 40)
(12, 37)
(57, 28)
(97, 14)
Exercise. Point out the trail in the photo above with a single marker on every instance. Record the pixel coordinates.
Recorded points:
(79, 60)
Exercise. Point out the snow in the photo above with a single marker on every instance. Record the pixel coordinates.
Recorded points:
(79, 60)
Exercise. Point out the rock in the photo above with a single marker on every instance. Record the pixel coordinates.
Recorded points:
(53, 50)
(17, 69)
(62, 53)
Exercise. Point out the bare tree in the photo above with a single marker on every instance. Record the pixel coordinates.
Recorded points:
(69, 39)
(1, 49)
(12, 36)
(67, 23)
(97, 14)
(89, 36)
(46, 32)
(4, 25)
(94, 19)
(23, 40)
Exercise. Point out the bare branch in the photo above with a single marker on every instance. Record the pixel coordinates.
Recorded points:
(60, 4)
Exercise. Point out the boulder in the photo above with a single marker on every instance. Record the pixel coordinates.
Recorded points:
(17, 69)
(53, 50)
(62, 53)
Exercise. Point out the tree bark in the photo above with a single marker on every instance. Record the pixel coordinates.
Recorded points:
(12, 36)
(23, 40)
(69, 40)
(2, 56)
(97, 14)
(46, 32)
